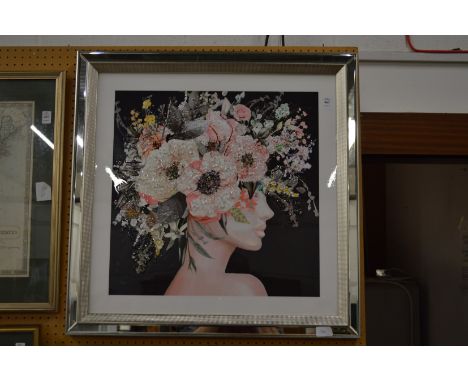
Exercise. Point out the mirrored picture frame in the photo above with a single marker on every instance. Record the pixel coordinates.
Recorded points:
(31, 147)
(135, 110)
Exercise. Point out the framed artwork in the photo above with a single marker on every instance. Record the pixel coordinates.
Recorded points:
(19, 336)
(31, 119)
(212, 195)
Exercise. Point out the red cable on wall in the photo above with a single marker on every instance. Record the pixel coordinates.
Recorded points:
(410, 44)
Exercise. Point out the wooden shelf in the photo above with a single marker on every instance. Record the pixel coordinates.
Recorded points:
(414, 134)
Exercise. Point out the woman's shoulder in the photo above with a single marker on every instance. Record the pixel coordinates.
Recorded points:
(244, 285)
(231, 284)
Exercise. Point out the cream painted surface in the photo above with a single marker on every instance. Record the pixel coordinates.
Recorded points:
(414, 87)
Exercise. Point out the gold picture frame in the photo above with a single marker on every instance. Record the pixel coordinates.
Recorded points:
(28, 335)
(38, 283)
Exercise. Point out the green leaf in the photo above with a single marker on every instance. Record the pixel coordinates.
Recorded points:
(199, 248)
(250, 187)
(205, 231)
(180, 256)
(222, 223)
(238, 215)
(169, 246)
(192, 265)
(197, 236)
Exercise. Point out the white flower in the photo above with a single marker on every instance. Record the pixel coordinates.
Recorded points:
(268, 124)
(239, 97)
(240, 129)
(259, 130)
(210, 185)
(250, 157)
(282, 111)
(175, 232)
(158, 179)
(225, 106)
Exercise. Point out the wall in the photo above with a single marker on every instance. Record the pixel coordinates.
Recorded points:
(392, 79)
(365, 43)
(414, 87)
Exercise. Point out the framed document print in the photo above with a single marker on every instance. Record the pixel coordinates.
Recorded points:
(31, 117)
(212, 195)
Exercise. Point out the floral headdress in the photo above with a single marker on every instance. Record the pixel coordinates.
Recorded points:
(205, 156)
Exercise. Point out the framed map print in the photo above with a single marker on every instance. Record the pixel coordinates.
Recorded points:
(30, 165)
(213, 195)
(16, 119)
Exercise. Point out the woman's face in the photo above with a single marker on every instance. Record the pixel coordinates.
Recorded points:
(249, 235)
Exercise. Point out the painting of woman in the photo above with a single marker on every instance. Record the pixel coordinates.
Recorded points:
(200, 172)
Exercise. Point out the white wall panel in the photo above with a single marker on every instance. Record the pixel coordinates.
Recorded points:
(414, 87)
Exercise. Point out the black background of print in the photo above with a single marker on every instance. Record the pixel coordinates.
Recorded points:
(288, 262)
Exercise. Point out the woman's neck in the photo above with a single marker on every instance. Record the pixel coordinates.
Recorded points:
(207, 251)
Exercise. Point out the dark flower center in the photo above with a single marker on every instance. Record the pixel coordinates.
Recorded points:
(209, 182)
(212, 146)
(247, 160)
(172, 172)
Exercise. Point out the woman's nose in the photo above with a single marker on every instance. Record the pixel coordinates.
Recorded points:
(269, 212)
(263, 209)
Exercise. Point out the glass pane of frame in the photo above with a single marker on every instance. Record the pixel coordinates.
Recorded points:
(31, 118)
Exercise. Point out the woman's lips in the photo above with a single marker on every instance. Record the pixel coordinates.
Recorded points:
(260, 231)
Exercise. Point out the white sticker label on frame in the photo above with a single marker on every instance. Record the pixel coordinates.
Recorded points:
(46, 117)
(323, 331)
(43, 192)
(326, 101)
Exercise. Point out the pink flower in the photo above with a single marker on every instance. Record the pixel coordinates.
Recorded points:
(149, 141)
(242, 112)
(148, 199)
(250, 157)
(238, 128)
(218, 130)
(245, 202)
(299, 132)
(210, 186)
(191, 201)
